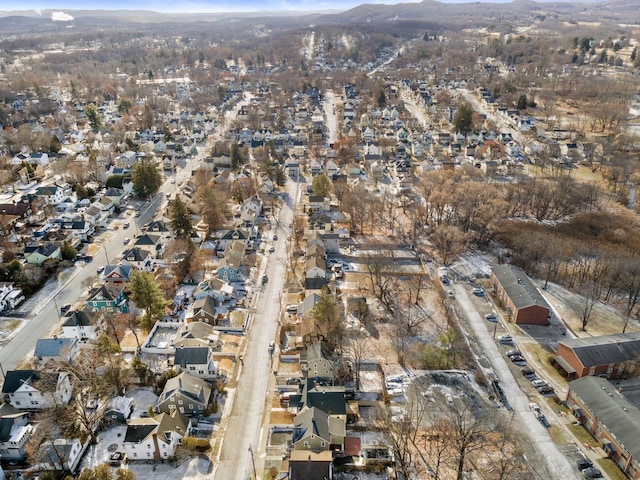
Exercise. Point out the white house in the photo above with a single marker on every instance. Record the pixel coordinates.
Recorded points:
(155, 438)
(21, 390)
(10, 296)
(62, 454)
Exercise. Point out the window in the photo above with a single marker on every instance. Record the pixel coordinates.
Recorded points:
(191, 406)
(322, 444)
(30, 394)
(192, 367)
(180, 402)
(306, 444)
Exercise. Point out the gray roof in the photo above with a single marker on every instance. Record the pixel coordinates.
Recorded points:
(53, 347)
(606, 349)
(77, 319)
(15, 378)
(187, 385)
(332, 400)
(518, 287)
(616, 413)
(191, 356)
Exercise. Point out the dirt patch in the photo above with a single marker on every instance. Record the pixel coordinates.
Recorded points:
(281, 417)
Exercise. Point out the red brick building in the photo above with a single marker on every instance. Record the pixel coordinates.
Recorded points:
(519, 296)
(612, 420)
(610, 356)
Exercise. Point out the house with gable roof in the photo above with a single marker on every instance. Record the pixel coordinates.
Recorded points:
(80, 325)
(15, 432)
(41, 254)
(56, 349)
(117, 273)
(317, 431)
(21, 389)
(138, 258)
(184, 393)
(157, 437)
(197, 361)
(521, 298)
(109, 297)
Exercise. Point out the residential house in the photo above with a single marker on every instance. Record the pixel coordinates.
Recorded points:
(79, 325)
(138, 258)
(119, 409)
(315, 364)
(150, 242)
(60, 455)
(610, 356)
(15, 432)
(317, 431)
(96, 217)
(52, 194)
(250, 211)
(229, 236)
(82, 230)
(117, 274)
(42, 253)
(106, 204)
(308, 465)
(315, 267)
(196, 361)
(204, 310)
(56, 349)
(214, 287)
(116, 196)
(23, 389)
(229, 269)
(10, 296)
(184, 393)
(196, 334)
(520, 297)
(610, 418)
(109, 297)
(318, 203)
(155, 438)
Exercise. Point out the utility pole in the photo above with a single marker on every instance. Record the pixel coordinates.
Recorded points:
(253, 462)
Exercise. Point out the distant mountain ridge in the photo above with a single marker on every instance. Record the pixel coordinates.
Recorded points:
(428, 11)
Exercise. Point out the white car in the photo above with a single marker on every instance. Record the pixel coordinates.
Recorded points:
(292, 308)
(538, 383)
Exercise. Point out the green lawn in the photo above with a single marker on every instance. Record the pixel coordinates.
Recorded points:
(611, 469)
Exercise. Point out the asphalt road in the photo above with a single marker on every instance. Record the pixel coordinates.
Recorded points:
(244, 425)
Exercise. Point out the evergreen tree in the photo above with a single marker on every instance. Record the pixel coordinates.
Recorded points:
(146, 294)
(522, 102)
(93, 116)
(181, 222)
(146, 179)
(237, 160)
(321, 185)
(463, 119)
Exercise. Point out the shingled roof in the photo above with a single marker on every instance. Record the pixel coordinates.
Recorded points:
(518, 287)
(619, 416)
(605, 349)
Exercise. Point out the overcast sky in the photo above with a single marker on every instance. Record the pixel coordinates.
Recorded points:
(199, 5)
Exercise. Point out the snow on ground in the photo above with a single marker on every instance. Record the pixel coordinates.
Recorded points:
(111, 440)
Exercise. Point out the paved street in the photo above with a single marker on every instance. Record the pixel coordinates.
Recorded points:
(243, 426)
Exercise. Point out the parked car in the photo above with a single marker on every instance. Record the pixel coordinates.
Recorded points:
(292, 308)
(272, 249)
(450, 294)
(265, 279)
(127, 240)
(293, 381)
(584, 463)
(545, 390)
(125, 225)
(591, 472)
(506, 340)
(275, 237)
(528, 372)
(65, 308)
(491, 317)
(99, 270)
(518, 360)
(117, 458)
(539, 383)
(514, 353)
(477, 291)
